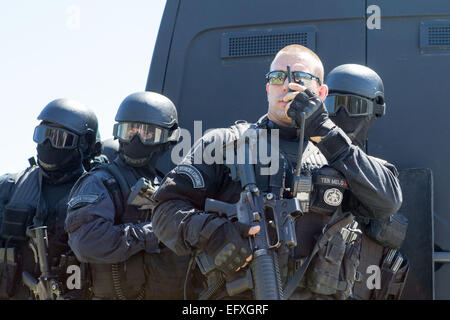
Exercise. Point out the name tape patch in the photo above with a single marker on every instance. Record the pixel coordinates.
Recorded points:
(192, 172)
(331, 181)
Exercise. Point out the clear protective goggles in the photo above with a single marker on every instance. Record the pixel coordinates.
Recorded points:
(60, 138)
(149, 134)
(354, 106)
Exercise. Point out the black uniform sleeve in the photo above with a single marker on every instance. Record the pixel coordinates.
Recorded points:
(179, 219)
(93, 236)
(374, 185)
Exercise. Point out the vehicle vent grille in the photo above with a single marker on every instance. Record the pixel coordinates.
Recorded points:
(260, 43)
(439, 36)
(435, 35)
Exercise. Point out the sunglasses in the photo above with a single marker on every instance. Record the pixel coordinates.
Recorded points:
(278, 77)
(354, 106)
(148, 133)
(59, 138)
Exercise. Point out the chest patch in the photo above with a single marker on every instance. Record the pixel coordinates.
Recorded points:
(333, 197)
(192, 172)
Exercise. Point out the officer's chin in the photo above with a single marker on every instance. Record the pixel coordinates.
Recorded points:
(48, 166)
(281, 119)
(136, 162)
(286, 122)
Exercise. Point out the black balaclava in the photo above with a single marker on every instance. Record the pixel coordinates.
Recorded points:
(136, 154)
(58, 163)
(357, 128)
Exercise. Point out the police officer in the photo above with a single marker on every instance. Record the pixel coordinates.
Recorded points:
(355, 101)
(107, 228)
(181, 222)
(37, 196)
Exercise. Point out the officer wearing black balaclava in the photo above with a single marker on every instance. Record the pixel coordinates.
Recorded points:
(111, 232)
(66, 137)
(355, 100)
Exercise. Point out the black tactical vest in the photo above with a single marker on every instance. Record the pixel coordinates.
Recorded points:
(309, 226)
(125, 280)
(34, 200)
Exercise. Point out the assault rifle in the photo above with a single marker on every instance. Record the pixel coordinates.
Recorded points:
(276, 220)
(46, 287)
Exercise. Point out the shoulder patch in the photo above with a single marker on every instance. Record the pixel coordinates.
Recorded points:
(83, 199)
(192, 172)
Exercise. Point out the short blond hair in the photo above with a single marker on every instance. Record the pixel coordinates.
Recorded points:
(318, 68)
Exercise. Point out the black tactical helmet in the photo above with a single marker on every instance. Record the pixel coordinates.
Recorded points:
(150, 108)
(355, 100)
(110, 148)
(77, 118)
(355, 79)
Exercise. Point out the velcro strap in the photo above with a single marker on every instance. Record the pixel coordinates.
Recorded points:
(210, 227)
(334, 143)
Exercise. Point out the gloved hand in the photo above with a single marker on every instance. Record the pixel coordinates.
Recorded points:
(150, 239)
(317, 122)
(229, 248)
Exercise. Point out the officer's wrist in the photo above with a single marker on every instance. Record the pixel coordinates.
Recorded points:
(208, 230)
(334, 144)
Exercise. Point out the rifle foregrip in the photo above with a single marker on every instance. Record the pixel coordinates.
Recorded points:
(266, 277)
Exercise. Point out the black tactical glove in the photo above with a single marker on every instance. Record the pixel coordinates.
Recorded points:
(144, 231)
(317, 122)
(228, 247)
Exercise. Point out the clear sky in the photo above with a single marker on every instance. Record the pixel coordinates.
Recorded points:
(96, 52)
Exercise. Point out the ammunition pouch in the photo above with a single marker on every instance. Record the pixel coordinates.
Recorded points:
(349, 272)
(13, 231)
(333, 271)
(119, 281)
(10, 272)
(323, 273)
(65, 261)
(389, 233)
(15, 222)
(392, 283)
